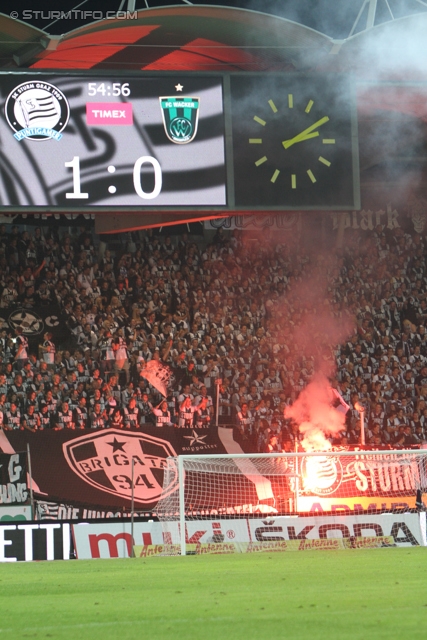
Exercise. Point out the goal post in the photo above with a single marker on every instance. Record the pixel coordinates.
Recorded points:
(244, 487)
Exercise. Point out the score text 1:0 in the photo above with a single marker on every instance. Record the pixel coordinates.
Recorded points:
(77, 194)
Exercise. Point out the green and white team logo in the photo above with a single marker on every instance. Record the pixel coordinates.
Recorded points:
(180, 118)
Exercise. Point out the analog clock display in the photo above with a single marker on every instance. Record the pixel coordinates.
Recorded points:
(292, 141)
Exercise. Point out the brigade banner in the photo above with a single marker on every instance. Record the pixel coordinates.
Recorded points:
(86, 474)
(13, 479)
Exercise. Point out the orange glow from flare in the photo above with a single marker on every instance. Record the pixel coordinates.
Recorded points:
(314, 438)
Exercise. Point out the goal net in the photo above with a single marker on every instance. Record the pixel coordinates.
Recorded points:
(243, 487)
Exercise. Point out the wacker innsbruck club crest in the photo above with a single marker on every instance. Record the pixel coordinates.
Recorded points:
(37, 111)
(180, 118)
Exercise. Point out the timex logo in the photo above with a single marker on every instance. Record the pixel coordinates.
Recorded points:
(109, 113)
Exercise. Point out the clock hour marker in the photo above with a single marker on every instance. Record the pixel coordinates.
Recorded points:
(275, 175)
(309, 105)
(273, 106)
(261, 161)
(112, 189)
(290, 101)
(311, 176)
(328, 141)
(324, 161)
(255, 140)
(260, 121)
(294, 181)
(111, 168)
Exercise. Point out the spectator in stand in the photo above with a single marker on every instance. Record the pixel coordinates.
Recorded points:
(30, 419)
(186, 413)
(239, 325)
(21, 345)
(244, 425)
(98, 417)
(273, 445)
(203, 415)
(146, 409)
(132, 415)
(63, 419)
(116, 420)
(47, 350)
(162, 415)
(81, 415)
(12, 418)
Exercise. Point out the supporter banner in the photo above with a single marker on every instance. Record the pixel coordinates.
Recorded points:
(35, 321)
(283, 221)
(13, 479)
(91, 470)
(368, 220)
(51, 510)
(34, 541)
(114, 540)
(370, 482)
(88, 474)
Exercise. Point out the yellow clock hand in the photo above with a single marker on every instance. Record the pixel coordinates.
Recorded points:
(306, 134)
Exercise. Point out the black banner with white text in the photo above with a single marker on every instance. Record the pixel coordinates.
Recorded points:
(13, 478)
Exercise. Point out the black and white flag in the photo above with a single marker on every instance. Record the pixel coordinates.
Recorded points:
(13, 478)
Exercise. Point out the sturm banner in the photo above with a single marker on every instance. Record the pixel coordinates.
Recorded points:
(13, 477)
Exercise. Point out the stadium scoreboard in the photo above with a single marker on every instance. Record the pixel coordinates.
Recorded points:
(164, 142)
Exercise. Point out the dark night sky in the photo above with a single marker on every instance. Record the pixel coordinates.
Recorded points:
(334, 18)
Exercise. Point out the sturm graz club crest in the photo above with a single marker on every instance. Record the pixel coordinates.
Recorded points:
(180, 118)
(104, 460)
(37, 111)
(322, 475)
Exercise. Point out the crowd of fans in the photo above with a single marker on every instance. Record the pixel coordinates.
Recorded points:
(226, 317)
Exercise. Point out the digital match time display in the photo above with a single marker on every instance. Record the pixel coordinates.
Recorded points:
(176, 141)
(78, 142)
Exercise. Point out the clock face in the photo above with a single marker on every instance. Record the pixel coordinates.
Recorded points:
(292, 141)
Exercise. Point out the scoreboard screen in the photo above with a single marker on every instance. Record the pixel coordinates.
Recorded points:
(163, 142)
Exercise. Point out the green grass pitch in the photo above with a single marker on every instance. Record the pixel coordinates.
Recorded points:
(370, 593)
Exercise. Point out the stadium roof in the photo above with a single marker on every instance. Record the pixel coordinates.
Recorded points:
(208, 38)
(201, 37)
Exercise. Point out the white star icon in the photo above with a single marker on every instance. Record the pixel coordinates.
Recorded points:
(195, 438)
(179, 87)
